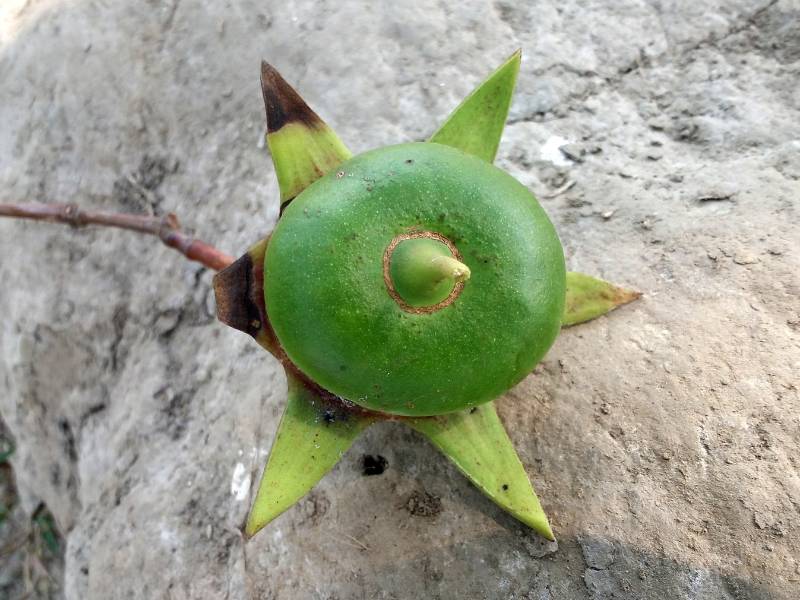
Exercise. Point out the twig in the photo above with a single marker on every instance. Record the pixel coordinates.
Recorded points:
(564, 188)
(358, 543)
(14, 545)
(166, 228)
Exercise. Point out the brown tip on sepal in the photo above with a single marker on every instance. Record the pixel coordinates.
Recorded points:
(283, 104)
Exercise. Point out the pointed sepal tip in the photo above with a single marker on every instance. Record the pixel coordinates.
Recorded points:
(477, 124)
(303, 146)
(313, 435)
(589, 297)
(477, 443)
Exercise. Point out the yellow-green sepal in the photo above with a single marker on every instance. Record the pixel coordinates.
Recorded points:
(589, 298)
(314, 432)
(477, 443)
(477, 124)
(302, 145)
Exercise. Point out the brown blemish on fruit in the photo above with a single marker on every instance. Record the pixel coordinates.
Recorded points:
(387, 278)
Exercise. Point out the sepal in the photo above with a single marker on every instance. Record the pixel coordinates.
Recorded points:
(589, 298)
(314, 432)
(476, 125)
(477, 443)
(303, 146)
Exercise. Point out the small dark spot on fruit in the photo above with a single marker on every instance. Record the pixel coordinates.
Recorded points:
(409, 161)
(329, 416)
(505, 487)
(373, 465)
(442, 216)
(340, 174)
(473, 410)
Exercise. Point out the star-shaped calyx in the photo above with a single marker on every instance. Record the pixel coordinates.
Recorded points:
(423, 272)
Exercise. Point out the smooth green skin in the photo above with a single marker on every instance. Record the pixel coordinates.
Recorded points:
(334, 317)
(306, 447)
(476, 125)
(589, 298)
(424, 271)
(477, 443)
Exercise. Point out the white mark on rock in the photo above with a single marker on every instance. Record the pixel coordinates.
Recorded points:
(551, 151)
(240, 482)
(257, 453)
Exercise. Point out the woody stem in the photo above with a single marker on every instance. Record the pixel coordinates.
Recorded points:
(166, 227)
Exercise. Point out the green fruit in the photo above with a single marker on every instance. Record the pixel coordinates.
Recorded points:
(359, 309)
(415, 280)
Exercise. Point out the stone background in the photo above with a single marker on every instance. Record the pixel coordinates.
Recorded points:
(663, 439)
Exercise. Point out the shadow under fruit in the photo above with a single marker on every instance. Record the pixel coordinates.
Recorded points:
(415, 283)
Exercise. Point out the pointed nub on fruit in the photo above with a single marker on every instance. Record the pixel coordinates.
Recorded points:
(423, 271)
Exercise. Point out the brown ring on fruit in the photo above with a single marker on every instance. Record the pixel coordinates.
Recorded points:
(387, 277)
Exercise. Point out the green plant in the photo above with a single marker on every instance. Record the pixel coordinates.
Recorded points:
(413, 283)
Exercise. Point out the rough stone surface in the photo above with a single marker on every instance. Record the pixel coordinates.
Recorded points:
(663, 439)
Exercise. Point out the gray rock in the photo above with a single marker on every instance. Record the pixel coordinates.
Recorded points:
(143, 424)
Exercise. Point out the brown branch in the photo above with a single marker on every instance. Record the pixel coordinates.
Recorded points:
(166, 228)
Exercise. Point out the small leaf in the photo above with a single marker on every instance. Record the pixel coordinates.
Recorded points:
(313, 434)
(589, 298)
(476, 441)
(239, 293)
(43, 520)
(302, 145)
(477, 124)
(6, 449)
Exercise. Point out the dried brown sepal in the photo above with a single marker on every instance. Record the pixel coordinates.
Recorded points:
(239, 292)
